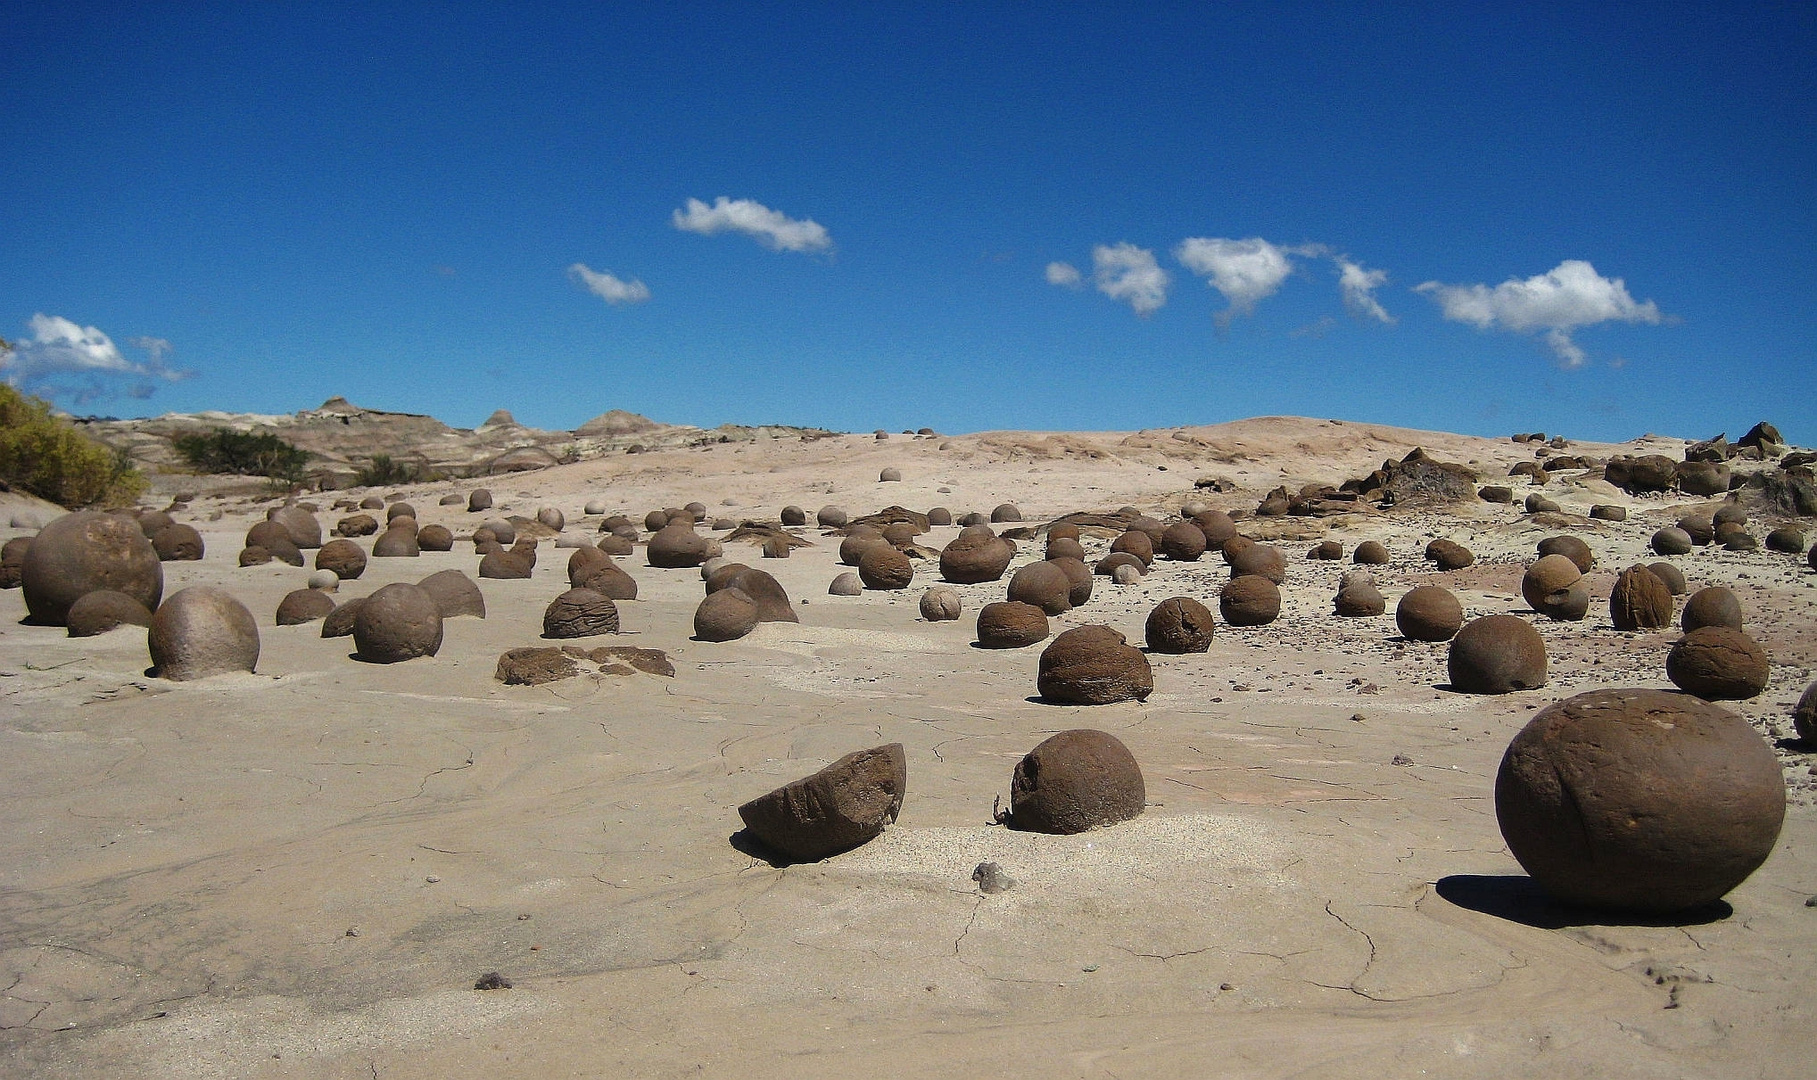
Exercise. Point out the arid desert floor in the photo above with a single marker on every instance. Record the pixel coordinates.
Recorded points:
(302, 871)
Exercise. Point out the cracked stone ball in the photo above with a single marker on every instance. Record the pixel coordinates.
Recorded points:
(84, 551)
(1552, 586)
(103, 610)
(941, 603)
(1497, 654)
(1250, 600)
(580, 613)
(303, 606)
(1429, 613)
(1640, 601)
(1093, 665)
(398, 622)
(455, 594)
(1179, 625)
(1074, 781)
(202, 631)
(1714, 606)
(1718, 663)
(1639, 800)
(834, 810)
(1011, 624)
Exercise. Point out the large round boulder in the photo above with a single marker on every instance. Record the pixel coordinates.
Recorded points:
(344, 557)
(1079, 574)
(398, 622)
(1217, 527)
(435, 538)
(455, 594)
(1639, 800)
(1179, 625)
(1714, 606)
(1497, 654)
(1011, 624)
(1672, 577)
(84, 551)
(305, 531)
(1370, 553)
(726, 615)
(103, 610)
(1671, 540)
(1259, 560)
(675, 546)
(857, 542)
(976, 555)
(479, 499)
(1074, 781)
(1005, 512)
(580, 613)
(1044, 585)
(836, 809)
(846, 584)
(1718, 663)
(202, 631)
(767, 593)
(1362, 600)
(1449, 554)
(831, 517)
(883, 567)
(1093, 665)
(1640, 601)
(1429, 613)
(1553, 587)
(1250, 600)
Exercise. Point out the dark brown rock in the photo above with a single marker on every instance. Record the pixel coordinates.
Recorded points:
(305, 531)
(976, 555)
(832, 517)
(505, 565)
(1359, 601)
(767, 593)
(1496, 493)
(339, 622)
(1671, 540)
(1326, 551)
(1714, 606)
(1571, 547)
(1074, 781)
(1079, 574)
(1497, 654)
(344, 557)
(1182, 541)
(1551, 586)
(1640, 601)
(1262, 560)
(84, 551)
(1066, 547)
(1636, 475)
(177, 542)
(1786, 539)
(1449, 555)
(883, 567)
(1804, 716)
(580, 613)
(676, 546)
(1179, 625)
(1011, 624)
(1671, 576)
(1606, 512)
(396, 623)
(1044, 585)
(1250, 600)
(301, 606)
(455, 594)
(836, 809)
(1429, 613)
(1108, 564)
(1704, 478)
(103, 610)
(1718, 663)
(535, 666)
(202, 631)
(1135, 542)
(1005, 512)
(12, 561)
(793, 516)
(726, 615)
(1370, 553)
(1093, 665)
(357, 525)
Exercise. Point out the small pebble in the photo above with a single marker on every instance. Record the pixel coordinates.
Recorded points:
(492, 980)
(991, 878)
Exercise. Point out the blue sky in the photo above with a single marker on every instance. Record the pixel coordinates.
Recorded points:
(1598, 220)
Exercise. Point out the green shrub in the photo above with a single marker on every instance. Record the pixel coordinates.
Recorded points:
(384, 472)
(46, 456)
(243, 453)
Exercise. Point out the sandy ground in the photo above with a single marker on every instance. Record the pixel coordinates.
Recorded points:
(301, 872)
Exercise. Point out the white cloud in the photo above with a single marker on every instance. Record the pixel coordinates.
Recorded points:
(1129, 273)
(609, 288)
(1065, 275)
(1570, 295)
(1245, 271)
(771, 228)
(58, 348)
(1358, 286)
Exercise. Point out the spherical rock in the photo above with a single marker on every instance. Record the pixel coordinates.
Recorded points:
(1179, 625)
(976, 555)
(767, 593)
(836, 809)
(398, 622)
(326, 580)
(104, 609)
(1639, 800)
(1217, 527)
(609, 580)
(846, 584)
(1109, 564)
(676, 546)
(889, 476)
(1182, 542)
(1718, 663)
(1714, 606)
(177, 542)
(372, 502)
(1250, 600)
(1044, 585)
(1640, 601)
(585, 560)
(939, 515)
(1125, 574)
(656, 520)
(793, 516)
(1539, 504)
(1260, 560)
(1074, 781)
(1671, 576)
(502, 530)
(84, 551)
(1005, 512)
(1079, 574)
(505, 564)
(12, 561)
(479, 499)
(580, 613)
(344, 557)
(1497, 654)
(1093, 665)
(883, 567)
(1135, 542)
(550, 517)
(1065, 547)
(726, 615)
(1787, 540)
(1429, 613)
(396, 544)
(304, 606)
(1571, 547)
(1804, 715)
(254, 556)
(1671, 540)
(1326, 551)
(455, 594)
(832, 517)
(966, 521)
(1700, 526)
(202, 631)
(1370, 553)
(1449, 554)
(1011, 624)
(1360, 601)
(357, 525)
(900, 534)
(339, 622)
(941, 603)
(435, 538)
(856, 542)
(1548, 588)
(305, 531)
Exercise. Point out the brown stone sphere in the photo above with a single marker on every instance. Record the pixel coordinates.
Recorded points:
(357, 525)
(676, 546)
(1640, 601)
(503, 530)
(1005, 512)
(1182, 542)
(976, 555)
(616, 544)
(1075, 781)
(585, 560)
(1804, 716)
(1639, 800)
(305, 531)
(1217, 527)
(610, 580)
(1700, 526)
(580, 613)
(846, 584)
(1718, 663)
(177, 542)
(1066, 530)
(1326, 551)
(435, 538)
(202, 631)
(1671, 576)
(12, 561)
(1714, 606)
(398, 622)
(855, 543)
(726, 615)
(832, 517)
(1497, 654)
(103, 610)
(1011, 624)
(939, 515)
(767, 593)
(1079, 574)
(1360, 601)
(254, 556)
(339, 622)
(1135, 542)
(1059, 547)
(656, 520)
(1370, 553)
(883, 567)
(396, 544)
(900, 534)
(1260, 560)
(777, 547)
(836, 809)
(344, 557)
(479, 499)
(1671, 540)
(941, 603)
(275, 539)
(1250, 600)
(1044, 585)
(1429, 613)
(793, 516)
(398, 510)
(1787, 540)
(84, 551)
(1547, 583)
(150, 521)
(1179, 625)
(301, 606)
(372, 502)
(455, 594)
(1449, 554)
(1495, 493)
(1093, 665)
(505, 564)
(1571, 547)
(1739, 540)
(1109, 563)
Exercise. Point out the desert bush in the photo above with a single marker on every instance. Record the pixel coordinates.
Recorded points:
(243, 453)
(46, 456)
(384, 472)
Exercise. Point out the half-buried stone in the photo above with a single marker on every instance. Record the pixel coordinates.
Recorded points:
(344, 557)
(84, 551)
(885, 568)
(676, 546)
(103, 610)
(435, 538)
(1639, 800)
(726, 615)
(1359, 601)
(767, 593)
(856, 542)
(580, 613)
(1093, 665)
(1107, 566)
(1449, 554)
(1640, 601)
(1671, 576)
(1787, 540)
(1011, 624)
(1075, 781)
(301, 606)
(455, 594)
(836, 809)
(1250, 600)
(1179, 625)
(177, 542)
(1553, 586)
(941, 603)
(1370, 553)
(305, 531)
(202, 631)
(846, 584)
(1497, 654)
(1429, 613)
(1571, 547)
(1671, 540)
(12, 561)
(1714, 606)
(1718, 663)
(1044, 585)
(398, 622)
